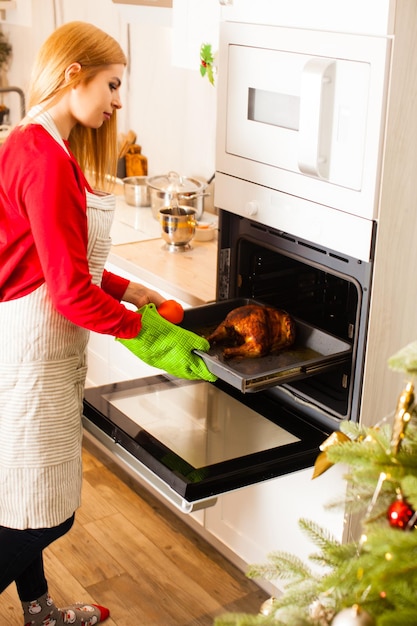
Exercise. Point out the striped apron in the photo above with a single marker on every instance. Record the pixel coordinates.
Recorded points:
(42, 375)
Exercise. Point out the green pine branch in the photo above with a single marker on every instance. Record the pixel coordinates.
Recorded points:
(379, 573)
(281, 565)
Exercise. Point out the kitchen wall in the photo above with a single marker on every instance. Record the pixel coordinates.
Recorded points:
(171, 108)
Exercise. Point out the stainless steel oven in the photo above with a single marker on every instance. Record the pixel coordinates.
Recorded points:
(296, 237)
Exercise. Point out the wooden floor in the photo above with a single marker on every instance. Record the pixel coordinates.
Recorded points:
(128, 552)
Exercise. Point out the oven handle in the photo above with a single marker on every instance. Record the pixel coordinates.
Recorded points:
(129, 463)
(316, 116)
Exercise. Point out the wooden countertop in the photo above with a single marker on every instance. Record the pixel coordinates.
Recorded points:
(189, 276)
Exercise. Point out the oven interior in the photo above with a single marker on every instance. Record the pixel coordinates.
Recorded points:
(319, 286)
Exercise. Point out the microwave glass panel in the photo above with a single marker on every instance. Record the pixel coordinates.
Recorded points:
(277, 109)
(200, 424)
(338, 111)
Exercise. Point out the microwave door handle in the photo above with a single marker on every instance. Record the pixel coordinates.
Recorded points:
(316, 116)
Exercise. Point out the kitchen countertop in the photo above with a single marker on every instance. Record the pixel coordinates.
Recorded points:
(139, 249)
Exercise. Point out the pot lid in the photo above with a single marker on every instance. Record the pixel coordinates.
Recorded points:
(174, 183)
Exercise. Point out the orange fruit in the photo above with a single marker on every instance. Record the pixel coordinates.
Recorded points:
(172, 311)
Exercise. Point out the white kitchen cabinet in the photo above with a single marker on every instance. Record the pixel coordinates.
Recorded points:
(110, 362)
(16, 12)
(373, 17)
(258, 520)
(150, 3)
(262, 518)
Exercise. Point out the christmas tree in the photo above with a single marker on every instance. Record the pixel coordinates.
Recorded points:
(372, 581)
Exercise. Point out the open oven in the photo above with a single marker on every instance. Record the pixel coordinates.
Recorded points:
(264, 417)
(295, 237)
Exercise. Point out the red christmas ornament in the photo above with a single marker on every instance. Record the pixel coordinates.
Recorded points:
(399, 513)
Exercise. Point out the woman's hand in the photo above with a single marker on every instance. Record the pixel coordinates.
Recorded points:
(139, 295)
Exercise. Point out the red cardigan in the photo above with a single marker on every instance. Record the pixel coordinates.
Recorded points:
(43, 235)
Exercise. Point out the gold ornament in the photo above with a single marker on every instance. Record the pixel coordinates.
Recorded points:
(402, 416)
(321, 610)
(267, 607)
(354, 616)
(322, 463)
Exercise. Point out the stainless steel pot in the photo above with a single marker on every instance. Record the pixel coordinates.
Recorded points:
(172, 189)
(136, 190)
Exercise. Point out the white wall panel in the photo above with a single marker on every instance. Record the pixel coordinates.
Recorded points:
(171, 109)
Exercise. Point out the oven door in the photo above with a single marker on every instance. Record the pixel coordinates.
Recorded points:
(192, 440)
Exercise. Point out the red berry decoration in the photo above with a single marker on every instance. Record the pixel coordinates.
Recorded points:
(399, 513)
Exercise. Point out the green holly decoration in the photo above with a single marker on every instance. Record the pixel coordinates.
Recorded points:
(206, 62)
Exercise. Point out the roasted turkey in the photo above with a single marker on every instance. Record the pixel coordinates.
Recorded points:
(254, 330)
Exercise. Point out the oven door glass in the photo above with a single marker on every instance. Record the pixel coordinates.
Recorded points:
(201, 439)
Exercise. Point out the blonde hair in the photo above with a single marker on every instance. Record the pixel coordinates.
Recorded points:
(94, 148)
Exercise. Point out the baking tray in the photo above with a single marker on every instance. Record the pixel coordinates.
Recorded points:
(314, 351)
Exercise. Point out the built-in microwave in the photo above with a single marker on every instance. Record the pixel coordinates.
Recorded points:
(301, 111)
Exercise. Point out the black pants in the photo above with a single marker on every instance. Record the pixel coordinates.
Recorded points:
(21, 558)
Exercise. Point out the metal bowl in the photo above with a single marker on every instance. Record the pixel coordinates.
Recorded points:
(177, 229)
(136, 190)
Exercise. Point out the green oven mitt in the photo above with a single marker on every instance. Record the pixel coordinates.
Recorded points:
(168, 347)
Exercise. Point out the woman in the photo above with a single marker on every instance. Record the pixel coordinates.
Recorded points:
(54, 240)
